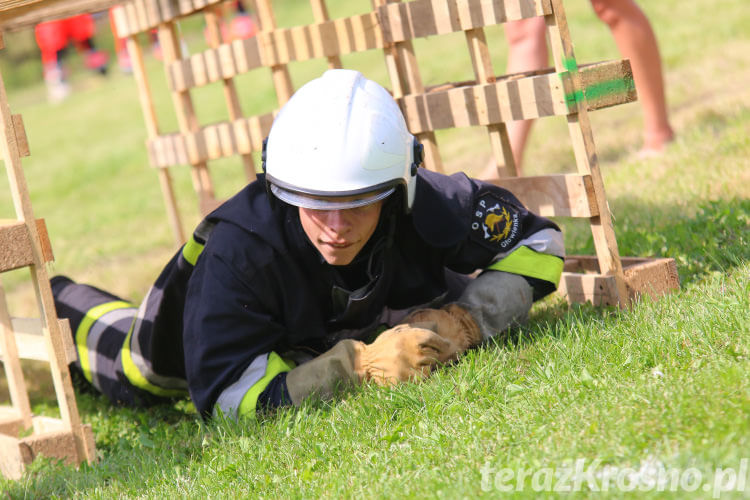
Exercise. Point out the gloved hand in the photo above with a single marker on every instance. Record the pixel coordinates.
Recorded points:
(398, 354)
(402, 353)
(452, 322)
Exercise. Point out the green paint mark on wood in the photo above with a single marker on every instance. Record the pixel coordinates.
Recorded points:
(570, 64)
(601, 89)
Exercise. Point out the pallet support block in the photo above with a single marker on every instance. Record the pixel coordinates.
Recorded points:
(583, 282)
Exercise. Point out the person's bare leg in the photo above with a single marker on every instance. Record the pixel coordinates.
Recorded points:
(527, 51)
(636, 41)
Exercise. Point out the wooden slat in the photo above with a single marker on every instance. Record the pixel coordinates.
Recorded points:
(498, 133)
(558, 195)
(282, 80)
(218, 140)
(20, 131)
(12, 366)
(186, 117)
(16, 454)
(583, 282)
(29, 334)
(27, 16)
(320, 14)
(144, 15)
(281, 46)
(587, 163)
(421, 18)
(516, 98)
(16, 249)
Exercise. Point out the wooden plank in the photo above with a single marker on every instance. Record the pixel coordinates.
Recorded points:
(221, 140)
(405, 78)
(512, 97)
(327, 39)
(16, 249)
(582, 138)
(29, 338)
(231, 97)
(497, 133)
(598, 289)
(20, 131)
(282, 81)
(186, 117)
(45, 245)
(607, 83)
(152, 130)
(583, 282)
(422, 18)
(484, 104)
(16, 454)
(145, 15)
(24, 14)
(320, 14)
(558, 195)
(12, 366)
(11, 422)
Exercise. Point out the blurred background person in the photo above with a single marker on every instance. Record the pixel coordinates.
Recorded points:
(53, 39)
(636, 41)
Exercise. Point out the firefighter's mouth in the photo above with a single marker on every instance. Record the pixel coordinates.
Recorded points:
(338, 245)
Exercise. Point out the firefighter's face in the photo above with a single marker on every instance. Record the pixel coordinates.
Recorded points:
(339, 235)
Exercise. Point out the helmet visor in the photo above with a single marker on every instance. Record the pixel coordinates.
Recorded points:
(329, 202)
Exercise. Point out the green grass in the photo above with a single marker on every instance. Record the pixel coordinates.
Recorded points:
(664, 382)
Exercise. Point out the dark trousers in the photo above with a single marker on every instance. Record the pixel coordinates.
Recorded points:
(100, 323)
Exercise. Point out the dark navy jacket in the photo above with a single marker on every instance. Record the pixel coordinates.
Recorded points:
(260, 286)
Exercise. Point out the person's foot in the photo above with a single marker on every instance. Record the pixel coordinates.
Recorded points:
(57, 88)
(654, 144)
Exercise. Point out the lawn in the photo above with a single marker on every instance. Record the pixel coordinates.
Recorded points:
(606, 398)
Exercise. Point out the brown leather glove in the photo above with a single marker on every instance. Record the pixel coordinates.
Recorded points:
(402, 353)
(398, 354)
(452, 322)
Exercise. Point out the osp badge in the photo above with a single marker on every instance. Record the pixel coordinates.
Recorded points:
(495, 223)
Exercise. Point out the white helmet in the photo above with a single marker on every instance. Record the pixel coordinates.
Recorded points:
(340, 135)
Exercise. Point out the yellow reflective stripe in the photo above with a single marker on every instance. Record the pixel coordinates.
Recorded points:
(192, 250)
(527, 262)
(275, 366)
(82, 332)
(136, 377)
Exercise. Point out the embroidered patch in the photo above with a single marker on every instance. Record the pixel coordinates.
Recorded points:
(495, 223)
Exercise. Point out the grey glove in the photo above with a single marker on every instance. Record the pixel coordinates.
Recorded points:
(497, 300)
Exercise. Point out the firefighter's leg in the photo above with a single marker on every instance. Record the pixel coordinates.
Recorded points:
(100, 322)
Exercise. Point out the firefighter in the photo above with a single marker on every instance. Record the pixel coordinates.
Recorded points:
(281, 292)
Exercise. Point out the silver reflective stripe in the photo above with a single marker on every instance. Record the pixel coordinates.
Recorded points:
(143, 364)
(549, 241)
(230, 399)
(92, 339)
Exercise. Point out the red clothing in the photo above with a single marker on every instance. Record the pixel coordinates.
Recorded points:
(53, 36)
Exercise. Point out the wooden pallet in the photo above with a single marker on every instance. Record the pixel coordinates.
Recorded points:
(24, 244)
(490, 101)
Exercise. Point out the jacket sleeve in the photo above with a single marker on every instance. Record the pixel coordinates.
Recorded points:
(483, 226)
(229, 335)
